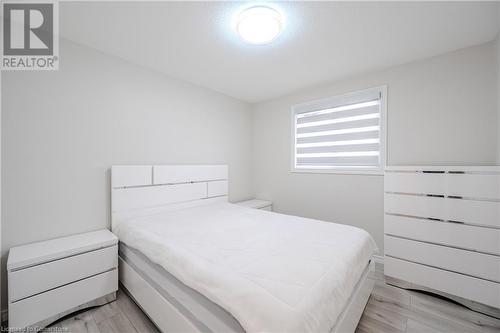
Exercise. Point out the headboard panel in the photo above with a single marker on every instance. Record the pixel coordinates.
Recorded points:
(174, 174)
(154, 196)
(131, 175)
(140, 190)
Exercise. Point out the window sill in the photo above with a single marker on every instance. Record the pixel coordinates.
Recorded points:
(340, 171)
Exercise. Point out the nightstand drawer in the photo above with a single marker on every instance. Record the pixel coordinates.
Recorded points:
(32, 280)
(39, 307)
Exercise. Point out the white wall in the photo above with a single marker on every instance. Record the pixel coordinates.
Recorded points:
(62, 130)
(440, 111)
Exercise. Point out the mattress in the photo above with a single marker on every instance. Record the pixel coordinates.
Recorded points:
(269, 271)
(201, 312)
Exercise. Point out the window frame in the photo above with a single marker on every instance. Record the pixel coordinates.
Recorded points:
(336, 100)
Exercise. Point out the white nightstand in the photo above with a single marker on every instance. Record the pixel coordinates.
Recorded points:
(257, 204)
(50, 279)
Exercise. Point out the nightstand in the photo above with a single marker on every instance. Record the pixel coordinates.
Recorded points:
(50, 279)
(257, 204)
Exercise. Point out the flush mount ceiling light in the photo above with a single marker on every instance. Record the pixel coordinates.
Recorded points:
(259, 25)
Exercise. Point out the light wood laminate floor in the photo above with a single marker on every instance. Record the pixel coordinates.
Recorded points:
(389, 310)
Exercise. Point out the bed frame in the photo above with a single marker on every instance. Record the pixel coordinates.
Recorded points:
(142, 190)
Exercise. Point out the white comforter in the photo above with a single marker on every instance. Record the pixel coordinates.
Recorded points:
(272, 272)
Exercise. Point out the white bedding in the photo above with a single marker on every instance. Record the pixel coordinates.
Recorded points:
(272, 272)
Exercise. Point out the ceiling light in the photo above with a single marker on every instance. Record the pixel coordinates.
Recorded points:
(259, 25)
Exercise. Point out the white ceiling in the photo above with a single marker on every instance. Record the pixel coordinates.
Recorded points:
(322, 41)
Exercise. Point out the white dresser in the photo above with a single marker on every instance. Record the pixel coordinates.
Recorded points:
(257, 204)
(50, 279)
(442, 232)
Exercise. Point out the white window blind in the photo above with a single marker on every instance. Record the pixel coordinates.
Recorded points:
(340, 133)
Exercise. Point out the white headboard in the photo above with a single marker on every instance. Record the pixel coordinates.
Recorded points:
(138, 190)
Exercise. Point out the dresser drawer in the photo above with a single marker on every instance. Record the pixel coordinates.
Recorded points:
(452, 234)
(459, 210)
(34, 309)
(476, 264)
(481, 186)
(478, 290)
(32, 280)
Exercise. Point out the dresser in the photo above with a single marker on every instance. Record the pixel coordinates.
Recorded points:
(50, 279)
(442, 232)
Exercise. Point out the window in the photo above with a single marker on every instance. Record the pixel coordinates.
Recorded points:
(343, 134)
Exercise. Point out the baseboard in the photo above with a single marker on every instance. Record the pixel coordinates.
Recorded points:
(378, 259)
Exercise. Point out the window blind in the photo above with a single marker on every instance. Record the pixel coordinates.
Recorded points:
(343, 134)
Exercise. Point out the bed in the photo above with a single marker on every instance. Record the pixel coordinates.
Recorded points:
(196, 263)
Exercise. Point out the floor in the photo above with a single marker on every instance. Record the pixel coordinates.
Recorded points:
(389, 309)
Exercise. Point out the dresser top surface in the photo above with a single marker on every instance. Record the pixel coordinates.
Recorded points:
(40, 252)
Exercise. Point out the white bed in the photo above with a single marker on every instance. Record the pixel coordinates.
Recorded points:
(194, 262)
